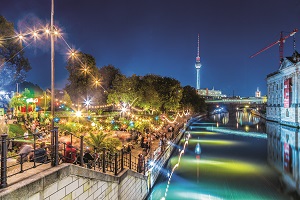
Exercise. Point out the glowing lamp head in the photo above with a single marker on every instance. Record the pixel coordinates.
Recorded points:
(78, 113)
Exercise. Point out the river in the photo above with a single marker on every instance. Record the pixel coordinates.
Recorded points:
(225, 157)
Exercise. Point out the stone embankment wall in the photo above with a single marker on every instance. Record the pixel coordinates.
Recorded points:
(73, 182)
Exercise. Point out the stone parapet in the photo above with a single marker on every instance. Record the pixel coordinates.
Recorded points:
(69, 181)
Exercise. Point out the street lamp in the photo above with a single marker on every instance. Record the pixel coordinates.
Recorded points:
(52, 63)
(87, 102)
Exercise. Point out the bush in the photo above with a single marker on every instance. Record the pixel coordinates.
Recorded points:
(15, 130)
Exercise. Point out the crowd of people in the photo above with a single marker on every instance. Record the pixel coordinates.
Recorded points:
(142, 145)
(28, 153)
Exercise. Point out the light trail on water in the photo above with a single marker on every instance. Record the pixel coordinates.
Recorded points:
(176, 165)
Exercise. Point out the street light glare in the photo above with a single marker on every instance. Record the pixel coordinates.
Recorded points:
(85, 70)
(72, 53)
(78, 113)
(87, 102)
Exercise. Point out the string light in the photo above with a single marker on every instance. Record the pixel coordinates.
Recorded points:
(37, 34)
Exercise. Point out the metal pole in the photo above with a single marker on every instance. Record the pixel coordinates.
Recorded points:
(81, 150)
(54, 156)
(52, 64)
(116, 164)
(130, 160)
(34, 148)
(103, 161)
(4, 161)
(122, 159)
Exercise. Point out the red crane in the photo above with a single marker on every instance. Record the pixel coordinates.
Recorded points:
(281, 42)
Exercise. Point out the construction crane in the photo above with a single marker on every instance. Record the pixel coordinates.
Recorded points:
(280, 42)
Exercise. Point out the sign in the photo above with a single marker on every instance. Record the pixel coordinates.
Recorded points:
(286, 95)
(1, 111)
(32, 100)
(286, 157)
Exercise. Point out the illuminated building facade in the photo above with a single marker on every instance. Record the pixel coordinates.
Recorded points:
(283, 116)
(284, 92)
(214, 94)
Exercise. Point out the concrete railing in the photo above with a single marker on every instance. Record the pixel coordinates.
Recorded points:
(159, 164)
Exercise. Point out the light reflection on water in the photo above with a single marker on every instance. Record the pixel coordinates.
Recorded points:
(230, 166)
(240, 120)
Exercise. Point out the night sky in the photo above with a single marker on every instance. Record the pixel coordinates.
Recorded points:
(160, 37)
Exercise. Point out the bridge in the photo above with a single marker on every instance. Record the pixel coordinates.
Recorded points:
(231, 104)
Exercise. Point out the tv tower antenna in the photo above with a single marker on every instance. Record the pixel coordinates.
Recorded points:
(198, 64)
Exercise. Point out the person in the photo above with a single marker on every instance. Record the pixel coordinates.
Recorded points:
(88, 158)
(142, 141)
(26, 135)
(172, 135)
(140, 163)
(24, 152)
(70, 153)
(39, 155)
(162, 144)
(148, 147)
(128, 149)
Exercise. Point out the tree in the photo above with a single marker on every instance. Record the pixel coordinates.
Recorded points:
(45, 101)
(19, 100)
(82, 74)
(97, 140)
(13, 64)
(192, 101)
(169, 92)
(124, 89)
(108, 74)
(67, 99)
(16, 102)
(149, 96)
(112, 144)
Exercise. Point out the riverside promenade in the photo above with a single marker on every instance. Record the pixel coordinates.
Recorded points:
(47, 182)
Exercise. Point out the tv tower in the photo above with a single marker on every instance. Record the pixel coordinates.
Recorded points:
(198, 66)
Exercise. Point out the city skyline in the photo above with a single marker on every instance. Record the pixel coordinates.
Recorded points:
(154, 37)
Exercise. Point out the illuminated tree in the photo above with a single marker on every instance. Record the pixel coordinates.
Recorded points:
(13, 64)
(124, 90)
(97, 139)
(19, 100)
(82, 73)
(168, 92)
(112, 144)
(149, 96)
(67, 99)
(107, 74)
(16, 102)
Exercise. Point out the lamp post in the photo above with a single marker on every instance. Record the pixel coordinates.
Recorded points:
(52, 63)
(54, 139)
